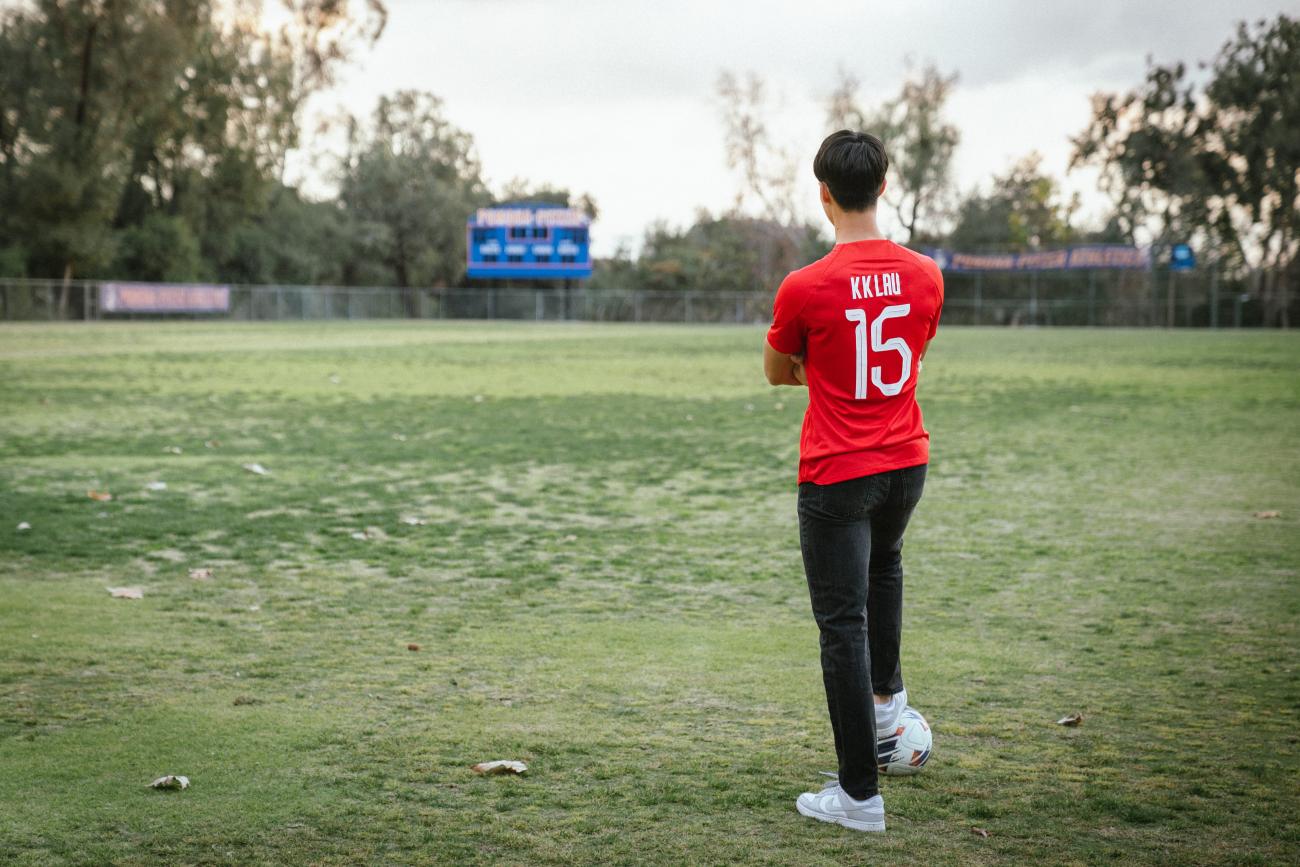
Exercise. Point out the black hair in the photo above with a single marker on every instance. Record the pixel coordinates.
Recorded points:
(852, 165)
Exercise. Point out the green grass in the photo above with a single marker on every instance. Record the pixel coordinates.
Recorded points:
(608, 587)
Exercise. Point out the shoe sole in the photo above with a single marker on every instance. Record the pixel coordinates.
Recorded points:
(854, 824)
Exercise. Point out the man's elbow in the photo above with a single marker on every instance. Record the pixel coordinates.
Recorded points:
(776, 372)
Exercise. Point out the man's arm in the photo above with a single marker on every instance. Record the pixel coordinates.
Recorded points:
(782, 369)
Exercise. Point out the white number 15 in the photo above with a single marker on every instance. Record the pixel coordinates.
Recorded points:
(879, 344)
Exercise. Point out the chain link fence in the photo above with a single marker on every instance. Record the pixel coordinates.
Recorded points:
(1078, 298)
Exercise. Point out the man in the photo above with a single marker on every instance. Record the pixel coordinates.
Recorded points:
(853, 328)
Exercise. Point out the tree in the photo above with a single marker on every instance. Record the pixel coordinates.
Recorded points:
(768, 172)
(119, 110)
(842, 109)
(408, 185)
(159, 248)
(66, 71)
(1218, 166)
(1253, 118)
(724, 253)
(919, 142)
(1144, 143)
(1022, 210)
(521, 190)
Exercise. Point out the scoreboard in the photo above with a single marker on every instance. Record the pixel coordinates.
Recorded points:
(548, 242)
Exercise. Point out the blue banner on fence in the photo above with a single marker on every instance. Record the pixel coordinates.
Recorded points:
(1070, 258)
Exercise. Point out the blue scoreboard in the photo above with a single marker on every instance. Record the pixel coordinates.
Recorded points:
(548, 242)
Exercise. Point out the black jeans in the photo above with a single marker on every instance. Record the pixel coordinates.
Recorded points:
(851, 534)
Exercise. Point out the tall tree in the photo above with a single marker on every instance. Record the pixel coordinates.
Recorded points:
(1254, 148)
(1144, 143)
(409, 183)
(768, 171)
(919, 141)
(1216, 166)
(67, 70)
(117, 110)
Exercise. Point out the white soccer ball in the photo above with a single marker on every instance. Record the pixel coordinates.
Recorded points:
(908, 748)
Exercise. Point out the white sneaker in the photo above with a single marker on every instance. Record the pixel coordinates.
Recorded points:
(888, 715)
(833, 804)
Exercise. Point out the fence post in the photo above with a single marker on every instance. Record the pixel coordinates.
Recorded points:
(686, 309)
(1169, 300)
(1092, 296)
(539, 308)
(979, 297)
(636, 305)
(1214, 298)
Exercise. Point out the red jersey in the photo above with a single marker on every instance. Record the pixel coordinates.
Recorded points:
(861, 316)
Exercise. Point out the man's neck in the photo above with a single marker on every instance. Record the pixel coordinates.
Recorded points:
(857, 226)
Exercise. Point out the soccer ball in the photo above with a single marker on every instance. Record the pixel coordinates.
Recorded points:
(908, 748)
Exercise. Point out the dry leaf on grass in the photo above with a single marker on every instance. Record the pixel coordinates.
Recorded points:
(414, 522)
(211, 444)
(126, 592)
(1072, 720)
(412, 646)
(171, 781)
(401, 438)
(246, 699)
(501, 766)
(369, 533)
(157, 486)
(204, 574)
(1271, 513)
(23, 525)
(99, 495)
(172, 450)
(335, 378)
(980, 832)
(257, 469)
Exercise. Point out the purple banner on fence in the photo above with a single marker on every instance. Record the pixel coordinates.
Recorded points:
(163, 298)
(1068, 259)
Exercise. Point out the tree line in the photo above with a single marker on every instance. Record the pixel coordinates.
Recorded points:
(1211, 160)
(148, 139)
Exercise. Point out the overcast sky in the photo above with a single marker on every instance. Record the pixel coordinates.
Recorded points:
(617, 97)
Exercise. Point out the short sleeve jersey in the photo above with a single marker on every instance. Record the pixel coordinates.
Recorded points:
(861, 317)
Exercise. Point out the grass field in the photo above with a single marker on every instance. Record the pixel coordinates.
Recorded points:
(607, 586)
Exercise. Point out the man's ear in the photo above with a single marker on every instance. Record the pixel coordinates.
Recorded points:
(824, 192)
(883, 184)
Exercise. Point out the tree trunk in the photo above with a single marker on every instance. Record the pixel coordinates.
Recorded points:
(65, 290)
